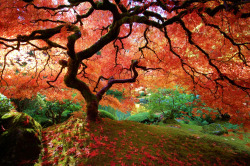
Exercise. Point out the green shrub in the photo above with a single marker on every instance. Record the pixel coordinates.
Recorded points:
(106, 114)
(144, 117)
(140, 117)
(58, 112)
(108, 109)
(122, 116)
(117, 94)
(46, 112)
(5, 105)
(115, 112)
(181, 105)
(229, 126)
(214, 128)
(176, 101)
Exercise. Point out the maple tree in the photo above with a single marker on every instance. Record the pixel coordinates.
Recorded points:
(91, 46)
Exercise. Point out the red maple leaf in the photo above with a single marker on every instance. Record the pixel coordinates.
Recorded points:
(3, 129)
(93, 153)
(26, 122)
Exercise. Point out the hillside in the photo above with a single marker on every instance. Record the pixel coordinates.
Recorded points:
(112, 142)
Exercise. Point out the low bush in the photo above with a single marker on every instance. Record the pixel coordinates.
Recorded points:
(5, 104)
(106, 114)
(214, 128)
(144, 117)
(46, 112)
(181, 105)
(115, 112)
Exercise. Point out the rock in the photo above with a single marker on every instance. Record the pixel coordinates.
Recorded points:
(214, 128)
(20, 139)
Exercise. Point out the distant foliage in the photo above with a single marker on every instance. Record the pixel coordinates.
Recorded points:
(58, 112)
(115, 93)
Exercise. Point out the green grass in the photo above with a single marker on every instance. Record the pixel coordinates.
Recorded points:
(111, 142)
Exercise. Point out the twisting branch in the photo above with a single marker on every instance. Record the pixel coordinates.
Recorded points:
(80, 17)
(146, 38)
(64, 64)
(130, 31)
(121, 6)
(112, 80)
(99, 79)
(84, 67)
(60, 7)
(48, 20)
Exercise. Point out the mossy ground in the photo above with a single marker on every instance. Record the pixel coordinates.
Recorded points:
(111, 142)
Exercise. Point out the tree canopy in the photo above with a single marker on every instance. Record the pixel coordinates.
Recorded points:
(94, 45)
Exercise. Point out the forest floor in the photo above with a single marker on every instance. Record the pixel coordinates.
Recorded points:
(111, 142)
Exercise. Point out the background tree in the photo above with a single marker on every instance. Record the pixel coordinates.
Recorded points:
(202, 45)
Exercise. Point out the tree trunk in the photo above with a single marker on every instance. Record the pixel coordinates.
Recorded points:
(92, 110)
(71, 81)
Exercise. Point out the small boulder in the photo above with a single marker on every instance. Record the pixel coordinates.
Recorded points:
(214, 128)
(20, 139)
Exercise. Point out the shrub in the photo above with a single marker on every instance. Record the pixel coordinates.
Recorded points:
(5, 104)
(58, 112)
(106, 114)
(46, 112)
(179, 103)
(144, 117)
(115, 112)
(214, 128)
(122, 116)
(230, 126)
